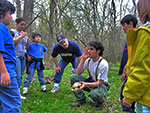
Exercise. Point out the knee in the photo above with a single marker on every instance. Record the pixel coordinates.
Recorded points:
(73, 78)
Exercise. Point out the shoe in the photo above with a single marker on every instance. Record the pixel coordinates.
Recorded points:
(54, 89)
(99, 104)
(80, 102)
(25, 95)
(44, 91)
(22, 98)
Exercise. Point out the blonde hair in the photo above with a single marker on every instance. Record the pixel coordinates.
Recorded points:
(143, 7)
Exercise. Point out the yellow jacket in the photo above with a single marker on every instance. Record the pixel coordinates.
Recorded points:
(137, 87)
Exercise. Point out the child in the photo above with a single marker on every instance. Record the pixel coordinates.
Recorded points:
(10, 100)
(36, 54)
(137, 87)
(127, 22)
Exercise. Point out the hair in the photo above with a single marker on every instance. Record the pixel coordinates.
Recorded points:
(35, 34)
(18, 20)
(129, 18)
(6, 6)
(143, 7)
(98, 46)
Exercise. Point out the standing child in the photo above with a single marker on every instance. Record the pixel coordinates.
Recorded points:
(36, 54)
(127, 22)
(137, 87)
(10, 100)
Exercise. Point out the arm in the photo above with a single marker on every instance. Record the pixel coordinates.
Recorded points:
(16, 40)
(82, 61)
(90, 84)
(5, 78)
(28, 42)
(57, 66)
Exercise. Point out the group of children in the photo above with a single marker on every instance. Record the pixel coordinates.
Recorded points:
(134, 67)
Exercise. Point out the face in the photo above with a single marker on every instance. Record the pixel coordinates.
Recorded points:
(6, 19)
(92, 52)
(21, 25)
(126, 26)
(37, 39)
(64, 44)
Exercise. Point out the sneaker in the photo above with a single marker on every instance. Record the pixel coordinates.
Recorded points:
(54, 89)
(45, 91)
(22, 98)
(78, 103)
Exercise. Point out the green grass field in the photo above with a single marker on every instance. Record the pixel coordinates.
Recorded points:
(60, 102)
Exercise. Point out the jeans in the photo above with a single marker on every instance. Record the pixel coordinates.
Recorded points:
(20, 67)
(62, 64)
(30, 76)
(10, 100)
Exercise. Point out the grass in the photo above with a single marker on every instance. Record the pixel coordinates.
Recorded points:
(60, 102)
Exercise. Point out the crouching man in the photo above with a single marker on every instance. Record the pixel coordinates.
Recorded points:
(97, 82)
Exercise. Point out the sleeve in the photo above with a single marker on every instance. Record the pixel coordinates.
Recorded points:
(102, 71)
(54, 51)
(44, 49)
(78, 50)
(139, 77)
(1, 42)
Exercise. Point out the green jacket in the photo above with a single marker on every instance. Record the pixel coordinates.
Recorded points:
(137, 87)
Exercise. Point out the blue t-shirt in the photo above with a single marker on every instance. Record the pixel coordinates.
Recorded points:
(8, 50)
(37, 50)
(67, 54)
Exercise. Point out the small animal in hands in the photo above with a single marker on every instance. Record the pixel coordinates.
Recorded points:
(76, 86)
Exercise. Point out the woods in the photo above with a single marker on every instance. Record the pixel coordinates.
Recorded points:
(79, 20)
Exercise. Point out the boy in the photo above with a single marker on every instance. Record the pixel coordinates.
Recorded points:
(98, 81)
(36, 54)
(127, 22)
(10, 100)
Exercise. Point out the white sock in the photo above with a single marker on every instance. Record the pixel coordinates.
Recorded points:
(56, 85)
(43, 87)
(25, 89)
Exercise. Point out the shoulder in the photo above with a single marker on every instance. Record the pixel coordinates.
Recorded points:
(73, 43)
(104, 63)
(3, 27)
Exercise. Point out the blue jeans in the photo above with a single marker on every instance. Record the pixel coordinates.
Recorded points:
(62, 64)
(30, 76)
(10, 100)
(20, 67)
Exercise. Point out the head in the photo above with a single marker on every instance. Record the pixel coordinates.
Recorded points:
(95, 48)
(20, 24)
(63, 41)
(6, 10)
(143, 7)
(36, 37)
(129, 21)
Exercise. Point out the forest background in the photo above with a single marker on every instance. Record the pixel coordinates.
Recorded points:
(79, 20)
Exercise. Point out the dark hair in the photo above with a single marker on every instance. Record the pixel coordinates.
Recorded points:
(98, 46)
(35, 34)
(6, 6)
(128, 18)
(18, 20)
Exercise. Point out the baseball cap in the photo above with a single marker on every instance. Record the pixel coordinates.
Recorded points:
(61, 38)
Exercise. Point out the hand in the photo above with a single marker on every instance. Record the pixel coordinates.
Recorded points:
(82, 85)
(126, 103)
(123, 76)
(23, 34)
(5, 79)
(58, 70)
(85, 54)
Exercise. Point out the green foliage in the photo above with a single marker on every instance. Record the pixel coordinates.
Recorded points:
(60, 102)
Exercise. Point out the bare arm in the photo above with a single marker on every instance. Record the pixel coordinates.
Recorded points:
(57, 66)
(16, 40)
(82, 61)
(5, 78)
(91, 84)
